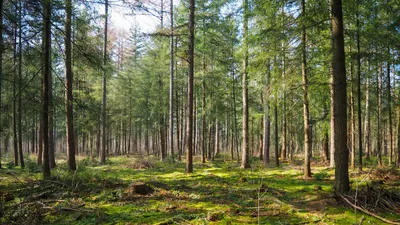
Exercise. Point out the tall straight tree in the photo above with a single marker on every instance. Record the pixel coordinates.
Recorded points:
(14, 89)
(339, 99)
(189, 122)
(360, 146)
(171, 81)
(1, 69)
(104, 94)
(267, 123)
(20, 153)
(45, 89)
(68, 95)
(306, 109)
(245, 130)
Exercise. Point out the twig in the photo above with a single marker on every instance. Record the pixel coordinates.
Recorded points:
(368, 212)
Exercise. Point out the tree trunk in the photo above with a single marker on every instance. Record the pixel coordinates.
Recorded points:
(389, 100)
(276, 135)
(171, 82)
(15, 137)
(104, 91)
(21, 155)
(379, 119)
(245, 130)
(267, 123)
(306, 111)
(339, 99)
(360, 147)
(69, 97)
(1, 71)
(46, 85)
(189, 129)
(352, 120)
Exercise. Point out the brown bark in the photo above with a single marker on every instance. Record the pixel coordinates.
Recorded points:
(306, 110)
(245, 130)
(69, 97)
(104, 91)
(189, 122)
(46, 85)
(339, 99)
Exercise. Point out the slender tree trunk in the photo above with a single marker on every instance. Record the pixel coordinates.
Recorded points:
(267, 123)
(389, 99)
(189, 129)
(276, 135)
(46, 85)
(352, 119)
(245, 130)
(52, 161)
(306, 110)
(1, 72)
(339, 99)
(379, 119)
(217, 150)
(21, 155)
(69, 95)
(104, 94)
(15, 136)
(171, 82)
(203, 115)
(360, 146)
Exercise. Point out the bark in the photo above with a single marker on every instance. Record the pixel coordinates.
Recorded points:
(15, 136)
(267, 123)
(389, 100)
(171, 82)
(276, 135)
(189, 122)
(379, 119)
(245, 130)
(46, 85)
(360, 146)
(104, 91)
(339, 100)
(306, 111)
(69, 97)
(1, 71)
(21, 155)
(203, 119)
(40, 144)
(352, 119)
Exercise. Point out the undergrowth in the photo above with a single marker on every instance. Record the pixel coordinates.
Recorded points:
(218, 192)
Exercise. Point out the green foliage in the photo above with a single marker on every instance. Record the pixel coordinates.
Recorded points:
(322, 175)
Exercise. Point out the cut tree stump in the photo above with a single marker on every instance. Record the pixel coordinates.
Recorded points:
(139, 188)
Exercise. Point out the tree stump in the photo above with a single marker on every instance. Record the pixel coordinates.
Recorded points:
(139, 188)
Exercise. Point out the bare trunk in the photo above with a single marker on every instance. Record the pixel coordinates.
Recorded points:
(104, 91)
(189, 128)
(339, 100)
(306, 111)
(46, 85)
(245, 130)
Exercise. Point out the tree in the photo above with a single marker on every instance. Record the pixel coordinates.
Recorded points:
(339, 99)
(45, 88)
(171, 81)
(306, 110)
(1, 73)
(104, 91)
(68, 95)
(245, 129)
(189, 122)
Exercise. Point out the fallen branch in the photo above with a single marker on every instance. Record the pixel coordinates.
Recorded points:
(368, 212)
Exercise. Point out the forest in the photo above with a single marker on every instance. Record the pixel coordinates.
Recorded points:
(215, 112)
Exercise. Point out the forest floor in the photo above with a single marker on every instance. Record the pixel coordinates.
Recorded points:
(217, 192)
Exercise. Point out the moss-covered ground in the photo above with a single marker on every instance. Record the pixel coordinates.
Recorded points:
(217, 192)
